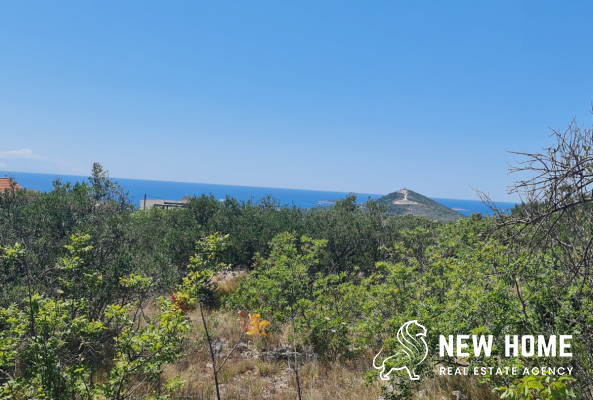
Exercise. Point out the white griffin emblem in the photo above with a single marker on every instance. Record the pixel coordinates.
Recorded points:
(412, 352)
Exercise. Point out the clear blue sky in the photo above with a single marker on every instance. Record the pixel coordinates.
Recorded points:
(364, 96)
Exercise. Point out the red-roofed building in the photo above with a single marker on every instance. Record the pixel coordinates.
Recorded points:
(8, 184)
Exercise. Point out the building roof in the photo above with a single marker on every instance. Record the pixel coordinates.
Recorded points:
(7, 183)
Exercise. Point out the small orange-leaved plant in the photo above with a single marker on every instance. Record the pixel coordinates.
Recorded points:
(252, 324)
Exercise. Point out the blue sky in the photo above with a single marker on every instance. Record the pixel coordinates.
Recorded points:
(332, 95)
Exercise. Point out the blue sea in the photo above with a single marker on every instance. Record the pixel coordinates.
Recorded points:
(164, 190)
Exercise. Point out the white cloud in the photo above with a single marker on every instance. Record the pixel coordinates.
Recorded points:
(19, 154)
(25, 160)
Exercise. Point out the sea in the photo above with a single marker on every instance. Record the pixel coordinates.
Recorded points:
(164, 190)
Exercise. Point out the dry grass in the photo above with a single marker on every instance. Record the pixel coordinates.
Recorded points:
(228, 282)
(443, 388)
(269, 368)
(344, 382)
(247, 376)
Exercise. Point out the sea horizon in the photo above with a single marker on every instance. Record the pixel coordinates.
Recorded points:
(175, 190)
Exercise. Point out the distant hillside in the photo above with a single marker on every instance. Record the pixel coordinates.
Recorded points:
(404, 202)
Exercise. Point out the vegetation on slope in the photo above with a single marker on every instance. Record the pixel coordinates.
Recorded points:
(408, 202)
(97, 300)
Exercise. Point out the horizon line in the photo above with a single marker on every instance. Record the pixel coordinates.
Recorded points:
(245, 186)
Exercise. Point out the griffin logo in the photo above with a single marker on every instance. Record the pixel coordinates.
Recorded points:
(411, 352)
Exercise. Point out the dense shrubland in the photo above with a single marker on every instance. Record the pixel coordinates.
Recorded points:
(96, 298)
